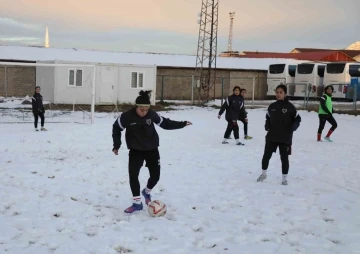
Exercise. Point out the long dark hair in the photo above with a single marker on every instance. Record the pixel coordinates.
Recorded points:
(36, 87)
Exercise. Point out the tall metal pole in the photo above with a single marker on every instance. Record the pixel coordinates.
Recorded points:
(253, 92)
(232, 15)
(93, 96)
(192, 89)
(205, 69)
(6, 83)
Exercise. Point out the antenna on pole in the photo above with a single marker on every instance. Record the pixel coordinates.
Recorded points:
(232, 15)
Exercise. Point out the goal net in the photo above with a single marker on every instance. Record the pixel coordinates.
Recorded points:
(68, 92)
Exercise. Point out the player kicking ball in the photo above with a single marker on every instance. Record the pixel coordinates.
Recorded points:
(142, 141)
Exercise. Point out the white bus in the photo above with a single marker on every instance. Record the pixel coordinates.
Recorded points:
(309, 75)
(279, 74)
(338, 75)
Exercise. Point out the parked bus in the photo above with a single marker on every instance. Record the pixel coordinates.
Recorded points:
(309, 76)
(279, 74)
(338, 75)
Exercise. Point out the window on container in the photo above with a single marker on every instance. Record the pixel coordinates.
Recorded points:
(79, 77)
(276, 68)
(354, 70)
(292, 70)
(305, 68)
(75, 77)
(335, 68)
(321, 70)
(137, 80)
(71, 77)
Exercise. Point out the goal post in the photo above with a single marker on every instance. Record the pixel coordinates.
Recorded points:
(18, 81)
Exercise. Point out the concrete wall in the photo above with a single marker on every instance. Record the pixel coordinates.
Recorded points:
(175, 83)
(21, 81)
(66, 94)
(45, 78)
(245, 80)
(126, 94)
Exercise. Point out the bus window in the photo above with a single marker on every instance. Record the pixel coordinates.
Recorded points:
(276, 68)
(305, 68)
(292, 70)
(354, 70)
(321, 70)
(335, 68)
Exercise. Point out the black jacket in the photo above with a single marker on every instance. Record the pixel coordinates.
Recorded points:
(282, 120)
(140, 133)
(243, 113)
(234, 106)
(37, 103)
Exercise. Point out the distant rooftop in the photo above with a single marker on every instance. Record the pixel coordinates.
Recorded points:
(354, 46)
(162, 60)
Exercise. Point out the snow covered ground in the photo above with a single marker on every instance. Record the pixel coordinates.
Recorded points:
(265, 103)
(63, 191)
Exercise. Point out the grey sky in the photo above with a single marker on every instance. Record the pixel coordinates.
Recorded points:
(169, 26)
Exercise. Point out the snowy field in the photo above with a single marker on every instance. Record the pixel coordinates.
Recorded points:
(265, 103)
(64, 192)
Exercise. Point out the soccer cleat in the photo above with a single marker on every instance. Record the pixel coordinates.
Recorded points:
(36, 129)
(43, 129)
(328, 139)
(248, 137)
(261, 178)
(284, 182)
(146, 196)
(240, 144)
(224, 142)
(135, 207)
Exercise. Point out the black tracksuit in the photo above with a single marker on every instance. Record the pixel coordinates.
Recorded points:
(282, 120)
(234, 106)
(242, 117)
(38, 109)
(142, 140)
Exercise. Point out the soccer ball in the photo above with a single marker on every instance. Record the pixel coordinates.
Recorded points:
(157, 208)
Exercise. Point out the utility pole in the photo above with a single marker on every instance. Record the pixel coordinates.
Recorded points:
(205, 70)
(232, 15)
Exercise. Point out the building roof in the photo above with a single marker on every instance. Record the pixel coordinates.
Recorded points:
(312, 49)
(310, 56)
(162, 60)
(257, 52)
(349, 52)
(354, 46)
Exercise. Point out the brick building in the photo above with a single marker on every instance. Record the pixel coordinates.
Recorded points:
(17, 80)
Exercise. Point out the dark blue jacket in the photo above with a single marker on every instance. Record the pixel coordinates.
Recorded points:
(141, 134)
(234, 106)
(282, 120)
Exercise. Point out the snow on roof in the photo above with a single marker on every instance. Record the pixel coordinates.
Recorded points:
(25, 53)
(354, 46)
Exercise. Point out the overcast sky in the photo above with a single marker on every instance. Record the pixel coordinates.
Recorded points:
(170, 26)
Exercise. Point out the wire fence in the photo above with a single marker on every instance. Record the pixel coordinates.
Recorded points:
(185, 88)
(260, 91)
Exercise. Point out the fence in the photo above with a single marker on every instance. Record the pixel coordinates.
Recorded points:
(17, 81)
(345, 96)
(304, 95)
(185, 88)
